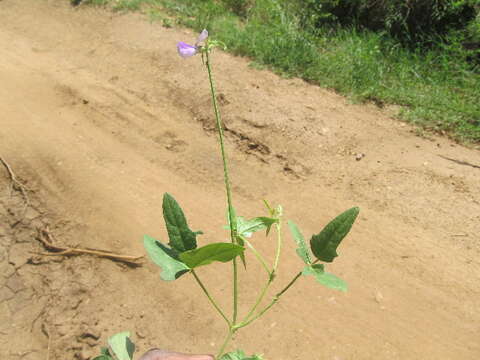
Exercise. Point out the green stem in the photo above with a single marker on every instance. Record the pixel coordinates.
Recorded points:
(213, 302)
(271, 274)
(259, 257)
(225, 343)
(233, 227)
(259, 300)
(279, 244)
(273, 302)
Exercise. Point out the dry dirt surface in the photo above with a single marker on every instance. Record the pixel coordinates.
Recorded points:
(100, 117)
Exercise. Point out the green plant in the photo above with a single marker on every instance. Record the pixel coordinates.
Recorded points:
(182, 255)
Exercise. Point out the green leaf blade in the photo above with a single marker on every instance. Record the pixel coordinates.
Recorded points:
(207, 254)
(248, 227)
(326, 279)
(302, 250)
(180, 235)
(164, 257)
(121, 346)
(324, 244)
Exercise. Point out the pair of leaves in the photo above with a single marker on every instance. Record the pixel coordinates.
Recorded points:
(183, 255)
(120, 346)
(240, 355)
(324, 247)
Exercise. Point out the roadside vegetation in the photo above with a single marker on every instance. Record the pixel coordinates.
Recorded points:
(423, 55)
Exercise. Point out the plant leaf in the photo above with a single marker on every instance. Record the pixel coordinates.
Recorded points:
(240, 355)
(164, 257)
(329, 280)
(209, 253)
(302, 250)
(121, 346)
(180, 235)
(234, 226)
(324, 244)
(248, 227)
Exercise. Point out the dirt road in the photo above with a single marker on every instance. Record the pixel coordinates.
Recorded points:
(100, 117)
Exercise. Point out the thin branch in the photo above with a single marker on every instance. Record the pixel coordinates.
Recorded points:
(46, 239)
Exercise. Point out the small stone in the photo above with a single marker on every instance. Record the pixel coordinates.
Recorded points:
(378, 297)
(359, 156)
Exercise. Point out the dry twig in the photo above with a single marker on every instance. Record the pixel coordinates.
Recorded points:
(47, 240)
(16, 184)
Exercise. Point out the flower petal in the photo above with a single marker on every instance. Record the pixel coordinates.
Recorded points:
(202, 37)
(185, 50)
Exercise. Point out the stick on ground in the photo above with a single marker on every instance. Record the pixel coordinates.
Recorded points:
(47, 240)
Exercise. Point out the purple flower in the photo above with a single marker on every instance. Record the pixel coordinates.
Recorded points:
(202, 37)
(185, 50)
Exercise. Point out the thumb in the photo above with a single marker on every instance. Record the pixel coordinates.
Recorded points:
(157, 354)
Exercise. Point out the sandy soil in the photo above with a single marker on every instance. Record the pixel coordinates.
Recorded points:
(99, 117)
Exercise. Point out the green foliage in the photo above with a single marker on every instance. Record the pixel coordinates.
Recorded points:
(329, 280)
(324, 245)
(166, 258)
(207, 254)
(302, 250)
(410, 21)
(180, 235)
(245, 228)
(121, 346)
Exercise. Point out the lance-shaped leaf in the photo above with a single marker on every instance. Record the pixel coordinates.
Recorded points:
(329, 280)
(247, 227)
(180, 235)
(164, 257)
(324, 245)
(207, 254)
(121, 346)
(302, 250)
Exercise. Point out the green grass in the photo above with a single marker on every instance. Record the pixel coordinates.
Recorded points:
(437, 91)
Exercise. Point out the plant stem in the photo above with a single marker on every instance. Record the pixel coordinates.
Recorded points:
(232, 220)
(273, 302)
(259, 257)
(279, 244)
(225, 343)
(259, 300)
(271, 274)
(213, 302)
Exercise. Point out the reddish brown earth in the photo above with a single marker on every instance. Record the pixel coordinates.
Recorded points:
(100, 117)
